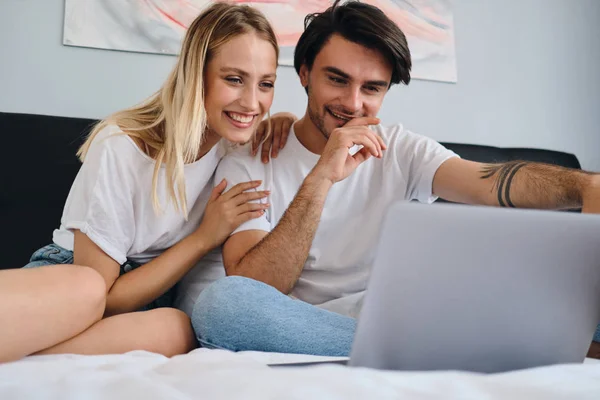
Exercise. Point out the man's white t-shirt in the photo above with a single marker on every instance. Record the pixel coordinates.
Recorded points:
(336, 272)
(111, 200)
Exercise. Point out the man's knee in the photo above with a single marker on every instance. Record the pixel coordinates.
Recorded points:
(236, 286)
(225, 295)
(227, 305)
(233, 292)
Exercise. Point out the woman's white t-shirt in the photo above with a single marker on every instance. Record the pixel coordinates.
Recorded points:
(111, 200)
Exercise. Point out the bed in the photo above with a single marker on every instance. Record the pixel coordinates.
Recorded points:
(204, 374)
(210, 374)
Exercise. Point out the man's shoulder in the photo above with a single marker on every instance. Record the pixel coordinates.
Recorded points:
(397, 133)
(388, 130)
(240, 153)
(239, 157)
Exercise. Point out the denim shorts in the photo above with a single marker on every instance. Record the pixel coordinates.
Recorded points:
(53, 254)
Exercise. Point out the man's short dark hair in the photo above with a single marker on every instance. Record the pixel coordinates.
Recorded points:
(360, 23)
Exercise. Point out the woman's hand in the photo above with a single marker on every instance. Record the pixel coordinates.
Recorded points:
(227, 211)
(281, 123)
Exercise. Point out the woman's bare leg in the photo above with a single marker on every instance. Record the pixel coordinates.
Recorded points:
(40, 307)
(166, 331)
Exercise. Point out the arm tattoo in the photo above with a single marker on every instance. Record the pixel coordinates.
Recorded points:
(537, 185)
(503, 175)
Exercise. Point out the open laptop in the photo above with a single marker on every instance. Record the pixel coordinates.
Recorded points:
(480, 289)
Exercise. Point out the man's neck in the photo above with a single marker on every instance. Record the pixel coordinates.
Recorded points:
(309, 135)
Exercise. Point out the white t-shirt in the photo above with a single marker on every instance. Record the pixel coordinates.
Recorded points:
(339, 262)
(111, 200)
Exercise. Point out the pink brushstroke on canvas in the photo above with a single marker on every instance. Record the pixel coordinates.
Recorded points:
(157, 26)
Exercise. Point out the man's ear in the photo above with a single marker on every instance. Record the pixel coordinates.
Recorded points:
(303, 75)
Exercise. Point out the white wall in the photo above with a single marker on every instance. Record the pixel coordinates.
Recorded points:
(528, 75)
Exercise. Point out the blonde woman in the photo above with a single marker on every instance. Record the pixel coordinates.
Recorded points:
(142, 210)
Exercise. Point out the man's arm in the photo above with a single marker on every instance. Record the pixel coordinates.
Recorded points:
(277, 258)
(521, 184)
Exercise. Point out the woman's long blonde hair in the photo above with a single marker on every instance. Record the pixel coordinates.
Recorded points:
(172, 122)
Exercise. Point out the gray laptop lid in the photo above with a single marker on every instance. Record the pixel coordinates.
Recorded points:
(481, 289)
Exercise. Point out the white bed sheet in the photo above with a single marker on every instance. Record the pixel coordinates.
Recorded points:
(210, 374)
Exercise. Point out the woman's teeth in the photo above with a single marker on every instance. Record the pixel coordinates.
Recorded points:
(244, 119)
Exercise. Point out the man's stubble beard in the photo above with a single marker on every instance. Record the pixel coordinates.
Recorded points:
(313, 114)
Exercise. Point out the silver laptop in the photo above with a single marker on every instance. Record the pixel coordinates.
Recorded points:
(480, 289)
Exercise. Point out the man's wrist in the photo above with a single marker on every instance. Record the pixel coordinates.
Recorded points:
(318, 180)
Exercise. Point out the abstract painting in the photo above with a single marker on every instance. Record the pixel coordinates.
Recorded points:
(157, 26)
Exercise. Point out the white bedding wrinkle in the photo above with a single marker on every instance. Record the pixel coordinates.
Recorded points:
(219, 374)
